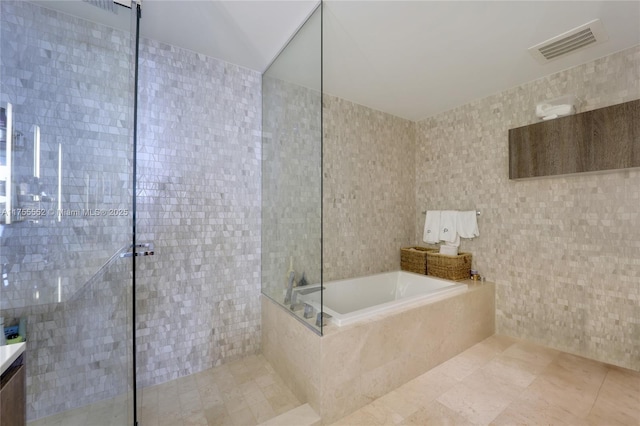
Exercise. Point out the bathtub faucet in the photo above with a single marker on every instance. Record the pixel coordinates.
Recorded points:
(294, 303)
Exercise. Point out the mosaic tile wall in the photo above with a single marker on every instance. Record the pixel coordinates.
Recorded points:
(563, 251)
(72, 79)
(291, 188)
(45, 58)
(78, 352)
(367, 185)
(368, 189)
(199, 202)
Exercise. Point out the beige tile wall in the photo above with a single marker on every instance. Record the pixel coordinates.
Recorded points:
(563, 251)
(293, 350)
(368, 191)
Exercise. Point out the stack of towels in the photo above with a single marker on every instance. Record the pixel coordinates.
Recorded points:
(449, 226)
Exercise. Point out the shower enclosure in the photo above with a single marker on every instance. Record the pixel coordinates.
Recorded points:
(66, 195)
(292, 175)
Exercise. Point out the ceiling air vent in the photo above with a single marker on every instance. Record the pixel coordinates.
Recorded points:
(585, 35)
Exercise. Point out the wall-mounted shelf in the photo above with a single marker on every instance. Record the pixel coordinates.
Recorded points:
(603, 139)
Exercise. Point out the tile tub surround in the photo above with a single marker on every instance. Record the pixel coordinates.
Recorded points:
(367, 186)
(368, 189)
(351, 366)
(563, 251)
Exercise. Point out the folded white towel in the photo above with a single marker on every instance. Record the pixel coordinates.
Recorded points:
(448, 227)
(467, 224)
(431, 234)
(449, 250)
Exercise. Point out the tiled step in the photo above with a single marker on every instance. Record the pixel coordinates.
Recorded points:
(303, 415)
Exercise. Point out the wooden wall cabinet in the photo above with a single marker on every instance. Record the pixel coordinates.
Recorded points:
(603, 139)
(13, 395)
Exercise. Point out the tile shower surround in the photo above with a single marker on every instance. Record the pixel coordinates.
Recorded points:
(198, 200)
(45, 58)
(72, 83)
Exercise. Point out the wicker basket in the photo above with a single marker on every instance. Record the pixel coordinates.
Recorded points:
(414, 259)
(449, 267)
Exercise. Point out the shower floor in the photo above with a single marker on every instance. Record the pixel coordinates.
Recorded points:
(243, 392)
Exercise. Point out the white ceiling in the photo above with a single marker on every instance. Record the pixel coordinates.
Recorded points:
(412, 59)
(416, 59)
(247, 33)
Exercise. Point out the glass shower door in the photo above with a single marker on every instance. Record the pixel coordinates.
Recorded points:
(66, 161)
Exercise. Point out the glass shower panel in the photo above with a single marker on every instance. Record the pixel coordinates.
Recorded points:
(292, 175)
(66, 108)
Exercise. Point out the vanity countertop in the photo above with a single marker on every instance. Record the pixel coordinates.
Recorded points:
(9, 353)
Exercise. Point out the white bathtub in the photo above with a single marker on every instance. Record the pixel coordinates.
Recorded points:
(356, 299)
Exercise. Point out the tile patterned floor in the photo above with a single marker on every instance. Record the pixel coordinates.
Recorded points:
(499, 381)
(245, 392)
(503, 381)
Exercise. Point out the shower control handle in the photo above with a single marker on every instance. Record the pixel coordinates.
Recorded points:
(133, 250)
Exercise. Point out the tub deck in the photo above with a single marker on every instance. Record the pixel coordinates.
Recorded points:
(350, 366)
